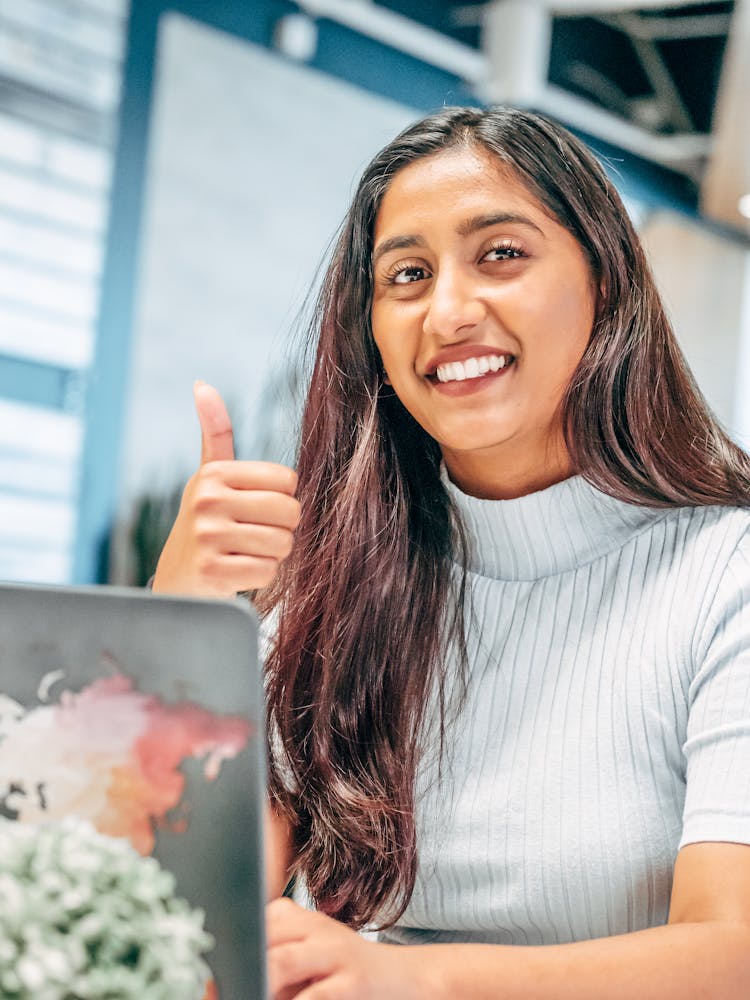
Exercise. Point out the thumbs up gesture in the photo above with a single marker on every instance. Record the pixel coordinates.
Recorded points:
(236, 519)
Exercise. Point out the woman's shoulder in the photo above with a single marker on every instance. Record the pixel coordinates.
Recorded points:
(715, 558)
(721, 528)
(701, 555)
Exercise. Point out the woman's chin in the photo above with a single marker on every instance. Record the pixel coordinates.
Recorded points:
(477, 432)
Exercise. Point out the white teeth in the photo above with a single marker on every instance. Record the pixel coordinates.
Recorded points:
(458, 371)
(471, 367)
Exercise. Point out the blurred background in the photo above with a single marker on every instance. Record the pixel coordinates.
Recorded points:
(171, 174)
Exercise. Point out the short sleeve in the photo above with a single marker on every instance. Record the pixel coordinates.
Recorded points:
(717, 748)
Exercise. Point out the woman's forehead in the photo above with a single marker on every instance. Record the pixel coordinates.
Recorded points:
(467, 179)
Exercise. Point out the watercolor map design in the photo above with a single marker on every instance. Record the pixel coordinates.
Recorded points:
(109, 754)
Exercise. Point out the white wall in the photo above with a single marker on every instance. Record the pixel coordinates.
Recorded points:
(703, 278)
(742, 377)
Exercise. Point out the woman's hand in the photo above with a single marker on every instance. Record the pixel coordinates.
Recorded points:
(312, 957)
(236, 520)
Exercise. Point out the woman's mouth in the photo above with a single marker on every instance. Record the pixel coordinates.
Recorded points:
(460, 371)
(460, 378)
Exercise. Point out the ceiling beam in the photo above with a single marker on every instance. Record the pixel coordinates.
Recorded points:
(679, 151)
(516, 40)
(662, 83)
(669, 28)
(403, 34)
(611, 6)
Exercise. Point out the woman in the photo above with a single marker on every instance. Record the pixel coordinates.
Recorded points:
(509, 684)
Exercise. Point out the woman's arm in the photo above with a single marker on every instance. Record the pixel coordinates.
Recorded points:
(708, 960)
(702, 954)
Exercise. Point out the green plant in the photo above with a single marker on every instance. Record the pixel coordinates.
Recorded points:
(85, 917)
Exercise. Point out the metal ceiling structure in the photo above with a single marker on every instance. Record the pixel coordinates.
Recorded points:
(667, 80)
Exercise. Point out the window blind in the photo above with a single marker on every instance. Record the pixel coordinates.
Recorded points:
(60, 73)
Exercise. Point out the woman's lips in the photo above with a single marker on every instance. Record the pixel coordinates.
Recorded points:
(469, 386)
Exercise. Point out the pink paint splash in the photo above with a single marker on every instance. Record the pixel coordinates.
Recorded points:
(112, 754)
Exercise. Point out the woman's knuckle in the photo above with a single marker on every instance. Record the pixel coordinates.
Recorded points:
(205, 531)
(282, 543)
(280, 963)
(268, 571)
(206, 500)
(280, 906)
(287, 546)
(208, 566)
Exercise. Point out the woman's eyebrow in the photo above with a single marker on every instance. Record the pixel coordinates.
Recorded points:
(396, 243)
(477, 222)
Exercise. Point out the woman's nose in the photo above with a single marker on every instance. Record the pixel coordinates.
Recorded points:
(454, 307)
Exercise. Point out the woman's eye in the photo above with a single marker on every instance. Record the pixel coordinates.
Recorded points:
(407, 275)
(503, 253)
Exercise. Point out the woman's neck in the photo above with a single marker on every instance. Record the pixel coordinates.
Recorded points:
(506, 474)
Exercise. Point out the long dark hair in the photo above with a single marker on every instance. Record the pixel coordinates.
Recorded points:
(370, 599)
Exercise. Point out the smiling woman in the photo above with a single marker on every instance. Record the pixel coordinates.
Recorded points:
(509, 667)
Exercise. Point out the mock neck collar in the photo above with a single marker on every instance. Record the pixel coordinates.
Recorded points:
(555, 530)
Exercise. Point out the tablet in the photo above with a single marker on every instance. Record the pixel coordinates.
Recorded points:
(143, 714)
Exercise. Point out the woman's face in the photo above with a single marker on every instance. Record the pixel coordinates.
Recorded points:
(482, 308)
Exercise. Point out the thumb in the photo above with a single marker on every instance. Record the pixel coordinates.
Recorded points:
(217, 444)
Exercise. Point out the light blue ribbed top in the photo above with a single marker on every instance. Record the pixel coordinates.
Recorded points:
(606, 724)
